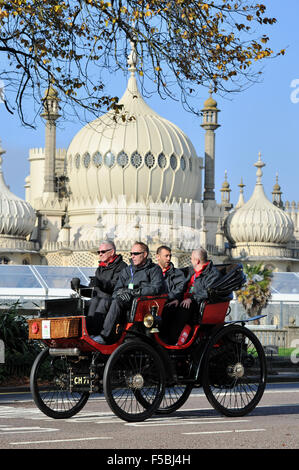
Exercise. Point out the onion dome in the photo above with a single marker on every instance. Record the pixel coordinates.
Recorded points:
(17, 217)
(258, 220)
(140, 156)
(210, 102)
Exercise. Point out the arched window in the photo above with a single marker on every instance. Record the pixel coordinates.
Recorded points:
(136, 159)
(149, 160)
(97, 159)
(162, 162)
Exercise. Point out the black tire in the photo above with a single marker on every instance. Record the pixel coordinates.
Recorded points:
(49, 387)
(174, 398)
(132, 371)
(234, 371)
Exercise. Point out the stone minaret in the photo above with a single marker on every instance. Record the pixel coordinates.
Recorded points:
(276, 194)
(225, 194)
(210, 124)
(50, 114)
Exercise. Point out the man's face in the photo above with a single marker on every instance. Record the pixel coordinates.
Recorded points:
(138, 255)
(164, 258)
(194, 260)
(106, 252)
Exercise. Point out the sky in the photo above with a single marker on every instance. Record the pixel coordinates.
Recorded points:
(264, 118)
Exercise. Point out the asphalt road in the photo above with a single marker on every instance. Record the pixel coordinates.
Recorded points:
(274, 424)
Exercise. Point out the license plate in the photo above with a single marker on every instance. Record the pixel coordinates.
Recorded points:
(80, 380)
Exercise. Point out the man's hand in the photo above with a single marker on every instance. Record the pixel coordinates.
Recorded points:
(173, 303)
(186, 303)
(124, 297)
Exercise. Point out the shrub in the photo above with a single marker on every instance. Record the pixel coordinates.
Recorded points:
(256, 293)
(20, 352)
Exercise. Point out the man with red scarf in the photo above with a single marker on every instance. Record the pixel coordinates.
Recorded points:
(103, 283)
(198, 278)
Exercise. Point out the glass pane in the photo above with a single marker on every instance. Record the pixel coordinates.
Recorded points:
(285, 283)
(109, 159)
(59, 277)
(88, 272)
(18, 276)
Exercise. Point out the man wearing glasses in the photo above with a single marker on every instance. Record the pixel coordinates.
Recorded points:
(104, 282)
(141, 277)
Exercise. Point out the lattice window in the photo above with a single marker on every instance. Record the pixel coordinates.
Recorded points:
(109, 159)
(122, 159)
(173, 162)
(136, 159)
(149, 160)
(54, 259)
(162, 160)
(86, 160)
(97, 159)
(77, 160)
(184, 261)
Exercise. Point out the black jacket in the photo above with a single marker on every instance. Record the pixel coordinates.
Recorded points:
(148, 278)
(106, 277)
(202, 283)
(175, 283)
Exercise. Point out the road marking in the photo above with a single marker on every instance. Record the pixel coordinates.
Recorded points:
(60, 440)
(183, 422)
(223, 432)
(24, 430)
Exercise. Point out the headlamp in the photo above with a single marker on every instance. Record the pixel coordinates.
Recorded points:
(148, 320)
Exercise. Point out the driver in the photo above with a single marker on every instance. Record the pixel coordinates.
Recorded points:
(141, 277)
(104, 282)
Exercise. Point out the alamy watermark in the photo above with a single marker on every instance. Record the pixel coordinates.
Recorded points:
(295, 353)
(295, 93)
(1, 91)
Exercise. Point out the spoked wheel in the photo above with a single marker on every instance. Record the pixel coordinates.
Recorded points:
(234, 371)
(174, 397)
(49, 384)
(134, 381)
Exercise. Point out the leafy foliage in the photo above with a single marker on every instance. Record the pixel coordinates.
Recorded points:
(71, 44)
(20, 352)
(256, 293)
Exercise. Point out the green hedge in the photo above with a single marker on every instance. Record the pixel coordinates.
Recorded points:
(20, 352)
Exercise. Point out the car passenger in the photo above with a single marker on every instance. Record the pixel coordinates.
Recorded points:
(172, 321)
(199, 277)
(142, 277)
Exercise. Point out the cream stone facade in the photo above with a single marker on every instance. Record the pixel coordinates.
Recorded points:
(139, 178)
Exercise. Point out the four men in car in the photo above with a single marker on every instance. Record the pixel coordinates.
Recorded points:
(116, 285)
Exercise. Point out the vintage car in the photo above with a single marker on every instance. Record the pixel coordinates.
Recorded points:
(140, 373)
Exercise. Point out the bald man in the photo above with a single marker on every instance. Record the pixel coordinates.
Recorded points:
(199, 277)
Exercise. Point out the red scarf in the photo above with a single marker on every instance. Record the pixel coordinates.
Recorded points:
(108, 262)
(192, 280)
(165, 270)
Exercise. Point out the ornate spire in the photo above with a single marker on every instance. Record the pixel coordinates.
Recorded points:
(225, 189)
(259, 164)
(276, 194)
(132, 58)
(241, 201)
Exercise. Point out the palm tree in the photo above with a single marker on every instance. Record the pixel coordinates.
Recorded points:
(256, 293)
